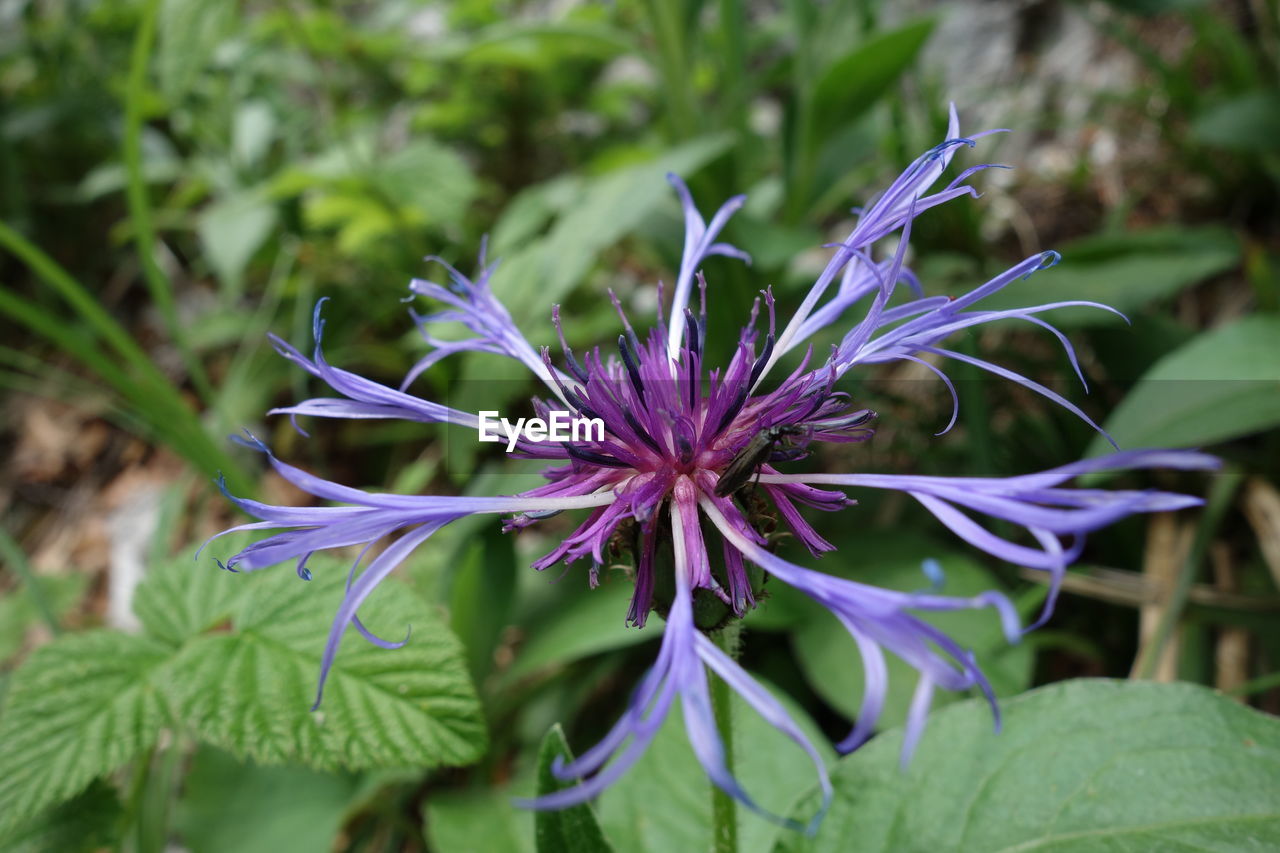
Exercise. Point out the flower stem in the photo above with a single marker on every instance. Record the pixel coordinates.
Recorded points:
(724, 812)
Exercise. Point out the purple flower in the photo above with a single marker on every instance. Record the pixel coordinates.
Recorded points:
(671, 473)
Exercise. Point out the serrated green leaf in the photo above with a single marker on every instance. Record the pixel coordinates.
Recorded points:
(571, 830)
(1222, 384)
(185, 597)
(1083, 766)
(78, 708)
(274, 808)
(249, 689)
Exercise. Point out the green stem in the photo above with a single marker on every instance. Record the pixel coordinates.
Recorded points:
(1219, 500)
(140, 207)
(666, 21)
(12, 553)
(1257, 685)
(724, 811)
(133, 805)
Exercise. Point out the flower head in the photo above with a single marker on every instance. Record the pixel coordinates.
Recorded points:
(671, 475)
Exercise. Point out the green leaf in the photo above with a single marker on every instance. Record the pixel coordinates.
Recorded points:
(1222, 384)
(271, 808)
(429, 179)
(537, 45)
(189, 32)
(77, 709)
(477, 819)
(663, 803)
(607, 209)
(829, 658)
(87, 823)
(481, 598)
(247, 687)
(232, 229)
(1080, 766)
(1127, 273)
(253, 130)
(187, 596)
(854, 83)
(19, 612)
(587, 623)
(1248, 123)
(572, 830)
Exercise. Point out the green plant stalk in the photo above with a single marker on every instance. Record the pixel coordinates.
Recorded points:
(147, 392)
(140, 208)
(1256, 685)
(133, 804)
(12, 553)
(733, 90)
(724, 811)
(152, 829)
(669, 31)
(1221, 494)
(75, 294)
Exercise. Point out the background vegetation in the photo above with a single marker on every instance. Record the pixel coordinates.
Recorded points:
(179, 177)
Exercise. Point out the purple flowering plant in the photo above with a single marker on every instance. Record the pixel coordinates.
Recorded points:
(689, 477)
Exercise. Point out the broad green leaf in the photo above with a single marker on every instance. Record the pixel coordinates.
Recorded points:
(1246, 123)
(248, 684)
(586, 624)
(608, 208)
(188, 596)
(663, 803)
(571, 830)
(227, 805)
(530, 211)
(829, 658)
(1222, 384)
(252, 131)
(87, 823)
(429, 179)
(1126, 272)
(477, 819)
(232, 229)
(854, 83)
(1079, 766)
(77, 709)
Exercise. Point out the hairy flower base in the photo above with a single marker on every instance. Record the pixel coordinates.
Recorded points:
(686, 475)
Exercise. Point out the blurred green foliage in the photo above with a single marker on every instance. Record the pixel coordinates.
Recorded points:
(179, 177)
